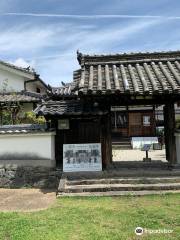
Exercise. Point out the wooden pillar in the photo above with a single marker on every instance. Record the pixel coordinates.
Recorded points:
(106, 142)
(169, 129)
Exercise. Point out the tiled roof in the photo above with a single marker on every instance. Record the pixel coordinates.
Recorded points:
(22, 128)
(66, 90)
(135, 73)
(25, 70)
(68, 107)
(20, 97)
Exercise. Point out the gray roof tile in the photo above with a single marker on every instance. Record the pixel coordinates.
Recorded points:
(138, 73)
(20, 97)
(68, 107)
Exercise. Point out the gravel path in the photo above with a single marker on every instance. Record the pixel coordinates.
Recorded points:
(138, 155)
(26, 200)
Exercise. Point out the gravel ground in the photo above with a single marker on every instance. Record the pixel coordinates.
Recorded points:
(138, 155)
(26, 200)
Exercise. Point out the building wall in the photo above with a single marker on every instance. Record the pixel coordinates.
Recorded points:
(14, 82)
(32, 87)
(30, 149)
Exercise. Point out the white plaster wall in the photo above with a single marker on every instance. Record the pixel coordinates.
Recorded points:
(14, 82)
(39, 144)
(138, 142)
(177, 135)
(32, 87)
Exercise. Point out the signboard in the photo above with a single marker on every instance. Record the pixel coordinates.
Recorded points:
(146, 147)
(82, 157)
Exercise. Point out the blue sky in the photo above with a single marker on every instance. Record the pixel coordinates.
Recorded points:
(46, 34)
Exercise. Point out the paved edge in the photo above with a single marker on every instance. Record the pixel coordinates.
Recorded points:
(117, 193)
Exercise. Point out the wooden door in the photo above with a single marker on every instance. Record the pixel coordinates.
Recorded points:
(89, 132)
(135, 124)
(141, 124)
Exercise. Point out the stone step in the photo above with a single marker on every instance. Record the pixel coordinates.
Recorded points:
(137, 180)
(122, 173)
(120, 187)
(139, 165)
(118, 193)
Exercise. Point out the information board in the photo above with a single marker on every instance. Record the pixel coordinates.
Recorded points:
(82, 157)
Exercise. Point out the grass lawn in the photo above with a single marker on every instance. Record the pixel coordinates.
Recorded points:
(96, 218)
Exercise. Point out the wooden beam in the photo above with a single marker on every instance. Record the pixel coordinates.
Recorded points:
(106, 142)
(169, 124)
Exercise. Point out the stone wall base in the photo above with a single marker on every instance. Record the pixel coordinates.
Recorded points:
(22, 177)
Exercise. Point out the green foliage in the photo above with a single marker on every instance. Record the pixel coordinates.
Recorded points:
(30, 117)
(20, 117)
(96, 218)
(178, 123)
(6, 118)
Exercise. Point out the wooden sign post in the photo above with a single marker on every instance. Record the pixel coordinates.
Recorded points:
(146, 148)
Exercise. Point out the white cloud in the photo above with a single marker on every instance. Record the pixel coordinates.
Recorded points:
(102, 39)
(53, 46)
(20, 62)
(92, 16)
(25, 38)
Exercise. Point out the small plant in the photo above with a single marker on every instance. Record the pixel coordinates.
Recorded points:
(30, 117)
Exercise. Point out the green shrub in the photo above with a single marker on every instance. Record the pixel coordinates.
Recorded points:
(30, 117)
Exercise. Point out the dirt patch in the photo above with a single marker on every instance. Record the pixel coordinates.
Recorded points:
(26, 200)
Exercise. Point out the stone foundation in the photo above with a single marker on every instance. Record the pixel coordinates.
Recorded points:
(12, 176)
